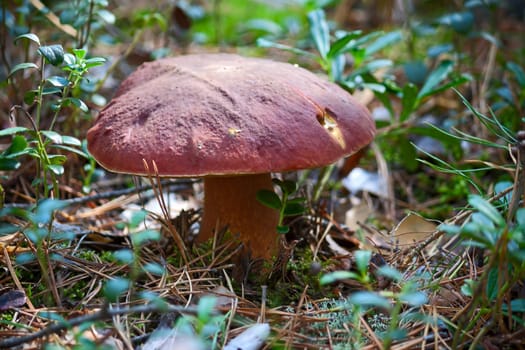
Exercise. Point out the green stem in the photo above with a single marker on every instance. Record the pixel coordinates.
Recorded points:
(394, 322)
(283, 206)
(65, 93)
(42, 261)
(40, 94)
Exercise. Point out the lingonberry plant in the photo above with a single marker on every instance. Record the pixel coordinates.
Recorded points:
(52, 92)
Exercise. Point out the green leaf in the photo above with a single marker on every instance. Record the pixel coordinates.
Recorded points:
(293, 209)
(282, 229)
(205, 307)
(516, 305)
(477, 237)
(21, 66)
(288, 186)
(56, 256)
(77, 151)
(486, 208)
(137, 218)
(262, 42)
(51, 90)
(492, 284)
(29, 96)
(17, 147)
(319, 31)
(79, 53)
(94, 62)
(12, 131)
(115, 287)
(436, 77)
(154, 269)
(155, 299)
(140, 238)
(69, 60)
(54, 136)
(408, 102)
(384, 41)
(106, 16)
(340, 45)
(58, 81)
(337, 68)
(56, 159)
(7, 229)
(461, 22)
(518, 72)
(78, 103)
(29, 36)
(124, 256)
(99, 100)
(269, 198)
(148, 18)
(390, 272)
(415, 71)
(53, 316)
(520, 216)
(56, 169)
(369, 68)
(18, 212)
(54, 54)
(8, 164)
(413, 298)
(362, 260)
(482, 221)
(36, 234)
(437, 50)
(46, 208)
(336, 276)
(70, 140)
(369, 299)
(463, 78)
(25, 258)
(468, 287)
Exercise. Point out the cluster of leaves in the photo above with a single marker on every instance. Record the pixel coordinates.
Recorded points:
(36, 142)
(285, 205)
(41, 236)
(392, 302)
(493, 292)
(131, 257)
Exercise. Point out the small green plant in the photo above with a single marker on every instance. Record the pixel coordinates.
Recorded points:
(40, 235)
(503, 139)
(285, 205)
(504, 269)
(206, 325)
(131, 257)
(53, 92)
(393, 303)
(332, 51)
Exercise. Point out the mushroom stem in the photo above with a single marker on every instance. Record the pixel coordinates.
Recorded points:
(231, 200)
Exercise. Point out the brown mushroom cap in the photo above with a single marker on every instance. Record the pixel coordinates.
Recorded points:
(218, 114)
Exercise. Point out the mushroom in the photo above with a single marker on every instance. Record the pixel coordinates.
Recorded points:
(232, 120)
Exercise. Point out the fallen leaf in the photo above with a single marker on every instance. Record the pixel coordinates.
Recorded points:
(12, 299)
(412, 229)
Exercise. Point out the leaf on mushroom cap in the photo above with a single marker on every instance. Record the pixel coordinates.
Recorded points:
(218, 114)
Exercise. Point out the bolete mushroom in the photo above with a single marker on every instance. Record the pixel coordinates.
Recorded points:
(232, 120)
